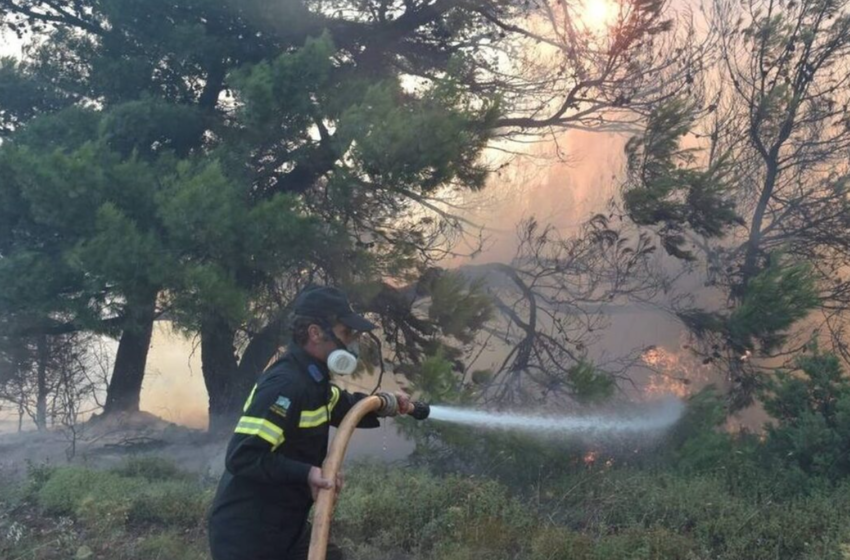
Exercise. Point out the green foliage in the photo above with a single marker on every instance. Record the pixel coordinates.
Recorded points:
(621, 513)
(151, 126)
(24, 95)
(699, 442)
(458, 306)
(666, 189)
(152, 469)
(589, 384)
(169, 546)
(170, 504)
(431, 514)
(413, 143)
(652, 543)
(100, 500)
(586, 512)
(513, 458)
(117, 222)
(67, 129)
(220, 231)
(139, 493)
(159, 189)
(776, 298)
(83, 229)
(278, 95)
(37, 476)
(555, 543)
(436, 379)
(811, 410)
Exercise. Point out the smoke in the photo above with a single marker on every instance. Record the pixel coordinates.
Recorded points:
(174, 386)
(561, 183)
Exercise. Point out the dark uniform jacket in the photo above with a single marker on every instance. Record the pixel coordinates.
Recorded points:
(263, 499)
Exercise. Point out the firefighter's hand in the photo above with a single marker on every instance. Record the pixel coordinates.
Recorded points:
(317, 482)
(404, 404)
(340, 482)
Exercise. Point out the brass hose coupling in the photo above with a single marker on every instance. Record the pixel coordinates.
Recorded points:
(389, 405)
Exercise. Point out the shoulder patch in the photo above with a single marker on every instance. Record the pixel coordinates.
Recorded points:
(281, 406)
(315, 373)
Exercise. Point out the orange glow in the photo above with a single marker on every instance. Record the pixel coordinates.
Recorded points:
(675, 373)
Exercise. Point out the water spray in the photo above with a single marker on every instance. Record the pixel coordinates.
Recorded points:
(662, 415)
(646, 419)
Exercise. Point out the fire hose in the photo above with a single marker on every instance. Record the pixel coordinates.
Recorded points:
(324, 506)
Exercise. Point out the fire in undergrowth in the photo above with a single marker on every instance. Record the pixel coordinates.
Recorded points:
(673, 373)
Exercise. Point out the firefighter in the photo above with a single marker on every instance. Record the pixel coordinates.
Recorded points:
(274, 457)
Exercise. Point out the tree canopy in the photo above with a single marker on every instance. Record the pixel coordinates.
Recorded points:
(202, 160)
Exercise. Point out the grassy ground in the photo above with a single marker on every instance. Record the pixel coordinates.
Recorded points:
(147, 509)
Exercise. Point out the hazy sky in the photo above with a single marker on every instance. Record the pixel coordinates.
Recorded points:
(9, 45)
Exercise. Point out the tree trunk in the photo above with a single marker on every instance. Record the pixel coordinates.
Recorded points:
(753, 250)
(226, 391)
(125, 387)
(41, 385)
(229, 380)
(263, 346)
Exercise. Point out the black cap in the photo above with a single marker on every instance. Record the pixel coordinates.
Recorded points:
(324, 302)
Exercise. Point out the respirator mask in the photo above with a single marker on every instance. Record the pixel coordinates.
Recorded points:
(343, 360)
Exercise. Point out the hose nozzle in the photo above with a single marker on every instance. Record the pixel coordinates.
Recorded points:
(420, 411)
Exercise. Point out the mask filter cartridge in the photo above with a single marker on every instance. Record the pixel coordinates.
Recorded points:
(342, 362)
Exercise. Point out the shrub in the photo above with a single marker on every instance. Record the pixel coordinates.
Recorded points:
(37, 476)
(413, 510)
(811, 409)
(167, 546)
(70, 487)
(557, 543)
(654, 543)
(106, 499)
(151, 468)
(171, 504)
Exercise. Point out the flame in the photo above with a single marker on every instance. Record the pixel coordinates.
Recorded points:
(675, 373)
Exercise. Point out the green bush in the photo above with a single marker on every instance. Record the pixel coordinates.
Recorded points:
(37, 476)
(649, 512)
(108, 499)
(415, 511)
(151, 468)
(69, 488)
(168, 546)
(653, 543)
(557, 543)
(170, 504)
(811, 409)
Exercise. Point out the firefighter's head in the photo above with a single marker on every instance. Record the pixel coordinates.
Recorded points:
(327, 328)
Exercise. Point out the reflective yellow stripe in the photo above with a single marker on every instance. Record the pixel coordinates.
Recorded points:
(261, 428)
(334, 397)
(250, 399)
(313, 418)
